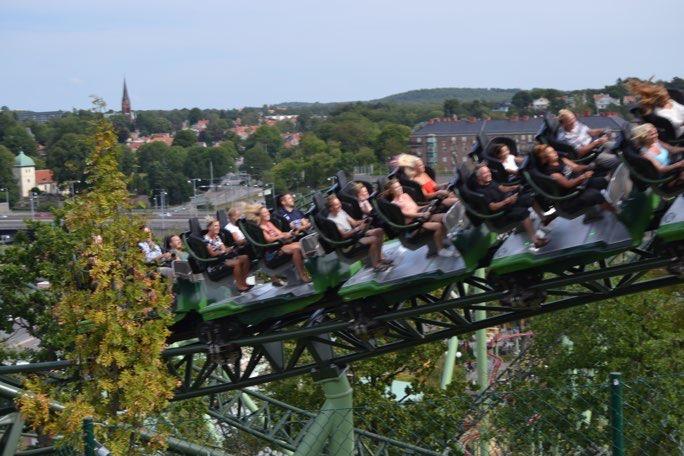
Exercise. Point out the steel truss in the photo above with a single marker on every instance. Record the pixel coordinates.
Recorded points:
(349, 334)
(372, 327)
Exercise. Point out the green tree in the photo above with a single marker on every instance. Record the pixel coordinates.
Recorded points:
(16, 138)
(216, 131)
(257, 161)
(7, 179)
(185, 138)
(574, 351)
(122, 127)
(392, 140)
(119, 378)
(67, 157)
(269, 137)
(453, 107)
(522, 100)
(149, 122)
(195, 115)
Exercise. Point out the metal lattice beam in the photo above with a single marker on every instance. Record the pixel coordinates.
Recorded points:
(344, 334)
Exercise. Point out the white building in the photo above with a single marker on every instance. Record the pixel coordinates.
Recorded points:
(541, 104)
(28, 177)
(603, 100)
(24, 171)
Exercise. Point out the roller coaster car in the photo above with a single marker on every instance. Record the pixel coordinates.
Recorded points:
(670, 235)
(414, 271)
(205, 298)
(548, 134)
(666, 131)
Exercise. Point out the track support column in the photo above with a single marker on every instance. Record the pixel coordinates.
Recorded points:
(616, 418)
(10, 440)
(335, 421)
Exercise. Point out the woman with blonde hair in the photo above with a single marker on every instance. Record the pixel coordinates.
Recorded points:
(412, 212)
(654, 98)
(238, 263)
(290, 247)
(414, 168)
(664, 158)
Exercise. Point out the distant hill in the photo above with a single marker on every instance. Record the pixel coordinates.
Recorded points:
(440, 94)
(433, 96)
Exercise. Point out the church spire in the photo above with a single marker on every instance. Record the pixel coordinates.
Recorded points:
(125, 102)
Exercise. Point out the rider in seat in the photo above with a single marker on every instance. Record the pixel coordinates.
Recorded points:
(655, 99)
(238, 263)
(289, 245)
(569, 175)
(349, 227)
(665, 159)
(417, 172)
(499, 197)
(584, 140)
(412, 211)
(294, 218)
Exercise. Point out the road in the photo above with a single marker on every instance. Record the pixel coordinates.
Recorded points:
(177, 219)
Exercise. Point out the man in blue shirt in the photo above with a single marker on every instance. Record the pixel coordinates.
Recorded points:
(291, 215)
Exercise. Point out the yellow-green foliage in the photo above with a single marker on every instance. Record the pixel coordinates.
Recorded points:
(113, 315)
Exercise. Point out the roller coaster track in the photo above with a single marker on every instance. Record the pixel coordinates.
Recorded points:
(365, 329)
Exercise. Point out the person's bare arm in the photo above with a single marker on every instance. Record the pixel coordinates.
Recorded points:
(662, 169)
(673, 149)
(494, 207)
(571, 183)
(584, 150)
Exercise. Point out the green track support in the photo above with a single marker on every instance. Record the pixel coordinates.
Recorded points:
(616, 415)
(449, 362)
(88, 437)
(10, 440)
(335, 422)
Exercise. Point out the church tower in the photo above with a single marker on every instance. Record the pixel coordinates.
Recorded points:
(126, 103)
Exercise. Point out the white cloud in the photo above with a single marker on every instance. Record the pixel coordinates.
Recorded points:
(75, 81)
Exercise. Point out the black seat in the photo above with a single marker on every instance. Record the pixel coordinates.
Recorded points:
(645, 175)
(409, 186)
(499, 173)
(549, 193)
(548, 134)
(329, 236)
(411, 235)
(255, 237)
(199, 259)
(224, 234)
(477, 207)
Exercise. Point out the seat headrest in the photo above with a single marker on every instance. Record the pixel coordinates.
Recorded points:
(222, 217)
(510, 142)
(342, 180)
(319, 202)
(195, 227)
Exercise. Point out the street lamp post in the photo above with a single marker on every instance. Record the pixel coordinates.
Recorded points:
(32, 197)
(194, 193)
(6, 190)
(162, 194)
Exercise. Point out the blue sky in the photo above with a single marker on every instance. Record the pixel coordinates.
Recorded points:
(225, 53)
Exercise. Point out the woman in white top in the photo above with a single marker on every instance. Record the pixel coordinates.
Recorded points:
(234, 215)
(362, 196)
(348, 227)
(655, 98)
(216, 248)
(510, 162)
